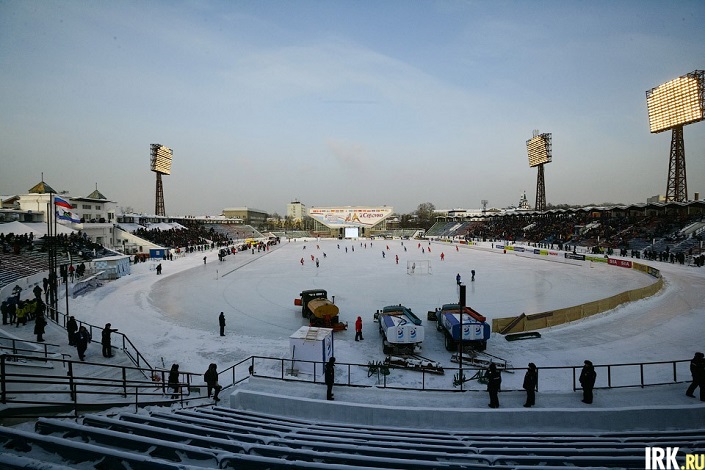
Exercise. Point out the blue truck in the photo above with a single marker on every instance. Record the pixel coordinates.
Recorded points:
(400, 328)
(472, 332)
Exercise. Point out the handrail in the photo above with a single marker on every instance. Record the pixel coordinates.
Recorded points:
(133, 353)
(14, 348)
(636, 374)
(23, 387)
(20, 386)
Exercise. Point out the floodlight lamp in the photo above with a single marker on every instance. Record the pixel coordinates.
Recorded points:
(678, 102)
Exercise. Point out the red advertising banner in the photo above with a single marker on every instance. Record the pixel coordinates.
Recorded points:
(622, 263)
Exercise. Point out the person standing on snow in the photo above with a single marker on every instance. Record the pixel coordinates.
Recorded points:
(530, 381)
(39, 324)
(72, 328)
(211, 379)
(587, 381)
(83, 337)
(494, 382)
(106, 342)
(330, 377)
(697, 370)
(173, 380)
(221, 322)
(358, 329)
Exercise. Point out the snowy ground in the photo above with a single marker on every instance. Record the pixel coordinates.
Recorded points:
(175, 316)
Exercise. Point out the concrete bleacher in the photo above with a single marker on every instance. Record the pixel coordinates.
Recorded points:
(220, 437)
(259, 429)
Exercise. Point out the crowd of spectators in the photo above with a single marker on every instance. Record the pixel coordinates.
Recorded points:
(591, 231)
(76, 244)
(191, 236)
(12, 243)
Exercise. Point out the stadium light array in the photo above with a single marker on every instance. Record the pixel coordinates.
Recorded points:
(676, 103)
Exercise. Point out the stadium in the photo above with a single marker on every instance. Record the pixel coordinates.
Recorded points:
(633, 309)
(206, 332)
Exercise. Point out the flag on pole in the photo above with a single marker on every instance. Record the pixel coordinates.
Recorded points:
(67, 215)
(70, 216)
(62, 202)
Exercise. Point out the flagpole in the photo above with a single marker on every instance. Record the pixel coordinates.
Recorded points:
(56, 262)
(52, 257)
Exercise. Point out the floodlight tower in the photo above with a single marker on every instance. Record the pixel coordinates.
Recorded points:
(672, 106)
(540, 151)
(160, 163)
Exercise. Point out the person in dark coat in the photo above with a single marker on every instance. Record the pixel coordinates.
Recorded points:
(494, 382)
(531, 379)
(83, 337)
(587, 381)
(211, 379)
(330, 377)
(221, 322)
(72, 328)
(697, 370)
(173, 380)
(358, 329)
(105, 340)
(39, 324)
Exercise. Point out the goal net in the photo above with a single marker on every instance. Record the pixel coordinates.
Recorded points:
(418, 267)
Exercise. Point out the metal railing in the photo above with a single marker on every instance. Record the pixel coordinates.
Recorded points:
(95, 331)
(26, 392)
(14, 346)
(30, 393)
(561, 378)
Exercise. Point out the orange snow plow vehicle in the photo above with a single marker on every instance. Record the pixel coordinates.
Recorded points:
(319, 310)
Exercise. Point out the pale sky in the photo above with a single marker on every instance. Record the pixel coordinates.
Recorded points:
(342, 102)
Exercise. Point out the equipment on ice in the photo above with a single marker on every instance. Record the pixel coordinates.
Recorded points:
(415, 362)
(320, 311)
(401, 330)
(471, 329)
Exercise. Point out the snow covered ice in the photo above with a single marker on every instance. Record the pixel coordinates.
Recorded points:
(175, 316)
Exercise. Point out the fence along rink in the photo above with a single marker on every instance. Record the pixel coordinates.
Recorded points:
(414, 267)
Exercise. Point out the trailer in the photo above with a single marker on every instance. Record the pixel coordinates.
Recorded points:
(469, 328)
(320, 311)
(401, 330)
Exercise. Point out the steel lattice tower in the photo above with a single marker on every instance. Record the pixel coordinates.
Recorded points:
(677, 186)
(540, 190)
(159, 200)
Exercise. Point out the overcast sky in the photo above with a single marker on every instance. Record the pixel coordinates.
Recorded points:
(342, 102)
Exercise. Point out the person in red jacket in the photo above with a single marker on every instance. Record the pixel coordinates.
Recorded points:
(358, 329)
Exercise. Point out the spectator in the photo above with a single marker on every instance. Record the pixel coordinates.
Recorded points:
(697, 370)
(39, 324)
(174, 380)
(530, 382)
(106, 341)
(72, 329)
(587, 381)
(494, 383)
(211, 379)
(330, 377)
(83, 337)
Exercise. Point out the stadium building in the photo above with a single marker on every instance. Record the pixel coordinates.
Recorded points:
(350, 221)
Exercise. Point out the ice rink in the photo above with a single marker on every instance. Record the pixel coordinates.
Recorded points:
(174, 317)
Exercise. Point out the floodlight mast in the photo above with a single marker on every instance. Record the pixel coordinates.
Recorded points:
(671, 106)
(160, 163)
(540, 151)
